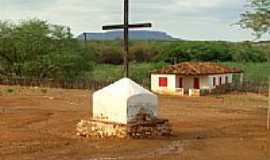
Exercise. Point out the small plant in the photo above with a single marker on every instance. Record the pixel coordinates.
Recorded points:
(10, 90)
(44, 90)
(204, 92)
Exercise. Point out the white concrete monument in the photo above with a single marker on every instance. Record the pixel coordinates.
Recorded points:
(121, 101)
(124, 109)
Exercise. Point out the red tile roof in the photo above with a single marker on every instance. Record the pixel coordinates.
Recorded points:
(197, 68)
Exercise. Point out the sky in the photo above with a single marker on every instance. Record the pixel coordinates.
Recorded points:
(186, 19)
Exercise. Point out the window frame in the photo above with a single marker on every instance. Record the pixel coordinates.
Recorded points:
(227, 80)
(220, 80)
(180, 82)
(163, 82)
(214, 81)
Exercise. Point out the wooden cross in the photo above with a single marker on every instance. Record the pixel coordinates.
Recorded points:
(268, 113)
(126, 27)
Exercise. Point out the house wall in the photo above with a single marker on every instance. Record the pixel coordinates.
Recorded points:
(223, 76)
(170, 89)
(206, 82)
(188, 82)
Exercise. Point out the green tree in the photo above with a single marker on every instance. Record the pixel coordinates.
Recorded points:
(141, 52)
(8, 56)
(34, 48)
(257, 17)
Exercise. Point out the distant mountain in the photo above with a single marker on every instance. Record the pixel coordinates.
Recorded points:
(135, 35)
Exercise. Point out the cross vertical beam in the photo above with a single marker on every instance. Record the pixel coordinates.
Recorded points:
(85, 39)
(126, 23)
(268, 110)
(126, 26)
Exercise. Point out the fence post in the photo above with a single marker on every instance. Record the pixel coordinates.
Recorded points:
(268, 113)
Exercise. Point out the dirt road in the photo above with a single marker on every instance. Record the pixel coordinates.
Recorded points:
(40, 124)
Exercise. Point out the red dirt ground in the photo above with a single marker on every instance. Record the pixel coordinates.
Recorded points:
(40, 124)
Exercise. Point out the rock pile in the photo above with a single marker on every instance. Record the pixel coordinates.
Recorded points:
(142, 126)
(145, 126)
(100, 129)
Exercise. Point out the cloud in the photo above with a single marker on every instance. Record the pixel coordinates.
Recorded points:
(191, 19)
(199, 3)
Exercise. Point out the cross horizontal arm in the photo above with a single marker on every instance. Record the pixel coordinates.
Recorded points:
(138, 25)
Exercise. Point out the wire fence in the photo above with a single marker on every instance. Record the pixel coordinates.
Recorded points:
(247, 86)
(51, 83)
(66, 84)
(254, 87)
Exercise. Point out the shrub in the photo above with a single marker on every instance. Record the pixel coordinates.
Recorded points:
(44, 91)
(204, 92)
(10, 90)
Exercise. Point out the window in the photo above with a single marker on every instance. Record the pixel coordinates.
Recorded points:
(220, 80)
(163, 81)
(227, 80)
(214, 81)
(180, 82)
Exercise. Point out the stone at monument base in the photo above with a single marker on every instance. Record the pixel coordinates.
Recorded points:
(143, 126)
(99, 129)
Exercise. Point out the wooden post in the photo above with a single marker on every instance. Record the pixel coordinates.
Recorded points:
(69, 32)
(126, 23)
(241, 79)
(85, 39)
(268, 112)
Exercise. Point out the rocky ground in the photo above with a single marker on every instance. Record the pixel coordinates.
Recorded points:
(40, 124)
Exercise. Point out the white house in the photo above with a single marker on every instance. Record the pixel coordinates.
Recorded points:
(121, 101)
(191, 78)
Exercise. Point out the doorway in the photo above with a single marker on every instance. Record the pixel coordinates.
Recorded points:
(180, 82)
(196, 84)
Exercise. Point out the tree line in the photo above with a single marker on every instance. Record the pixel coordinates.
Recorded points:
(109, 52)
(37, 49)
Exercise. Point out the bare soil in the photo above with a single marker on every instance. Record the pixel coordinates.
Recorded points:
(40, 124)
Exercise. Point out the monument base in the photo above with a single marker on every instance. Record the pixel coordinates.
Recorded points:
(141, 127)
